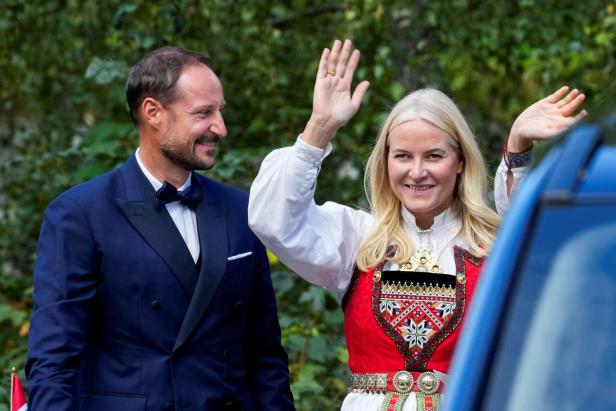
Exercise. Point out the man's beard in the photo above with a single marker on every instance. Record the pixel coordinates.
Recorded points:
(185, 158)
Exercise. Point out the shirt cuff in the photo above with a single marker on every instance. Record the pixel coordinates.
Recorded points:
(310, 153)
(518, 160)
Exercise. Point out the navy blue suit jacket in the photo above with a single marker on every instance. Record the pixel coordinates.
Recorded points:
(124, 320)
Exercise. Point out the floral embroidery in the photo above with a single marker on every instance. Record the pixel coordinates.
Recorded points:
(416, 334)
(424, 314)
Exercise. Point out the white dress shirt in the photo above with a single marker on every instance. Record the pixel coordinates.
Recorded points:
(184, 217)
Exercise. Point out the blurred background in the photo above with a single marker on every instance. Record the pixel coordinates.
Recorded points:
(63, 117)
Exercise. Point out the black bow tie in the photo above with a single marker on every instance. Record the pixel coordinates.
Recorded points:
(189, 197)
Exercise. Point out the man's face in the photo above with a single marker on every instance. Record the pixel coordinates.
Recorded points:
(195, 124)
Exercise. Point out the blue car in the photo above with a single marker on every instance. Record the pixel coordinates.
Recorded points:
(541, 332)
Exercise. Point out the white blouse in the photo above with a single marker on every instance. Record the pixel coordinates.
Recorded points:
(320, 242)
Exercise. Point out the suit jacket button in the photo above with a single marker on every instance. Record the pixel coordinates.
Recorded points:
(232, 405)
(168, 407)
(225, 354)
(155, 305)
(239, 304)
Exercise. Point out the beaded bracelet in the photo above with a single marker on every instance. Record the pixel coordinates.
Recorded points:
(515, 160)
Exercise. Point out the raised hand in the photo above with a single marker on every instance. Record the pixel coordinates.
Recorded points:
(545, 118)
(334, 104)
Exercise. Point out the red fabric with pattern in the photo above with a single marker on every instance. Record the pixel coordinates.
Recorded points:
(371, 350)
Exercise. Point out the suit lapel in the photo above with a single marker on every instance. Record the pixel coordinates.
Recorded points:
(212, 224)
(156, 227)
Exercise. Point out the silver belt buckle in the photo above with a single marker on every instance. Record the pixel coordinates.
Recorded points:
(428, 382)
(403, 382)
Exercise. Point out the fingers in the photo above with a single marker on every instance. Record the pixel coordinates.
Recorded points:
(344, 57)
(322, 71)
(572, 120)
(360, 91)
(558, 94)
(351, 66)
(568, 98)
(341, 61)
(567, 122)
(332, 60)
(571, 106)
(567, 103)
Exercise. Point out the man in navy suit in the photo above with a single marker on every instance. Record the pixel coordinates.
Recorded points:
(150, 291)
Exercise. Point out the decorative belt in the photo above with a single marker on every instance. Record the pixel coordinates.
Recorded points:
(401, 382)
(397, 385)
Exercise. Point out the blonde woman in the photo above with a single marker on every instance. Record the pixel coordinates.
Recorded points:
(405, 272)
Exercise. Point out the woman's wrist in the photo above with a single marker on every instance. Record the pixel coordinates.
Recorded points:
(319, 131)
(517, 154)
(515, 143)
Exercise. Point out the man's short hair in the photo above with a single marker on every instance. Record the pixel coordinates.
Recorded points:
(155, 76)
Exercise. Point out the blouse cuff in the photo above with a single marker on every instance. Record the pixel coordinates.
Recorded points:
(310, 153)
(517, 160)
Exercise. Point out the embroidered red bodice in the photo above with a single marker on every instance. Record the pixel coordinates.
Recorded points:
(391, 327)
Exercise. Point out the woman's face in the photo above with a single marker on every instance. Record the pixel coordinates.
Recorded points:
(423, 168)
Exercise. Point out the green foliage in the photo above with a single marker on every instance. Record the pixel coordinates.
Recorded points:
(311, 322)
(63, 117)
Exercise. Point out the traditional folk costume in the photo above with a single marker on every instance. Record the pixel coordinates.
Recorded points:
(401, 322)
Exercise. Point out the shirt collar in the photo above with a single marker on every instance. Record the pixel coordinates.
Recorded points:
(446, 221)
(153, 180)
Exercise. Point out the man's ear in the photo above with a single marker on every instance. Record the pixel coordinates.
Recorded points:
(152, 112)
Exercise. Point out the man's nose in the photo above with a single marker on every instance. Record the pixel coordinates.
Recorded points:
(218, 127)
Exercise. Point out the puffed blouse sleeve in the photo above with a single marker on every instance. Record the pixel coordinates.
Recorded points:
(318, 242)
(502, 196)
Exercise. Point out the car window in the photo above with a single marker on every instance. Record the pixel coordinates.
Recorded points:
(558, 341)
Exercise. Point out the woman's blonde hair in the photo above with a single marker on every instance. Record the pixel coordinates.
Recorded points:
(479, 222)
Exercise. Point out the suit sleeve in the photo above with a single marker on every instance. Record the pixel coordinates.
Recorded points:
(268, 366)
(64, 287)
